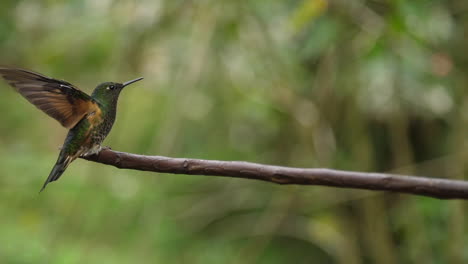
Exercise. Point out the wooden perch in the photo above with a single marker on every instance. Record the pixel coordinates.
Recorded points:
(432, 187)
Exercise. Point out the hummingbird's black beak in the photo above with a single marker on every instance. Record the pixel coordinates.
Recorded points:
(132, 81)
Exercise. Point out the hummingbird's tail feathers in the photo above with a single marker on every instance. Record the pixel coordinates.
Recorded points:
(61, 165)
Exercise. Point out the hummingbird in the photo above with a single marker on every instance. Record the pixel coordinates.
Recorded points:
(88, 118)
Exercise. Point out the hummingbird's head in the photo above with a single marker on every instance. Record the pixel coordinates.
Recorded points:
(111, 90)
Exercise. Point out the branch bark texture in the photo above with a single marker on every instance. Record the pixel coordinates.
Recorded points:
(432, 187)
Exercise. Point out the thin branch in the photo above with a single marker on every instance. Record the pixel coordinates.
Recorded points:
(432, 187)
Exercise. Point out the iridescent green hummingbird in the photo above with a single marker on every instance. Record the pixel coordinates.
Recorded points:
(89, 118)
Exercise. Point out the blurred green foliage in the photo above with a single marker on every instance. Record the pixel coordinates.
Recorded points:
(357, 85)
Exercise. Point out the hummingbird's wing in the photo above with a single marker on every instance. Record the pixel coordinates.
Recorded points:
(59, 99)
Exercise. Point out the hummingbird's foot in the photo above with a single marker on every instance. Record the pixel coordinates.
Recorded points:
(92, 151)
(87, 154)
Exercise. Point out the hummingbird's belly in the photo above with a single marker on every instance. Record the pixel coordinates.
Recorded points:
(101, 132)
(96, 138)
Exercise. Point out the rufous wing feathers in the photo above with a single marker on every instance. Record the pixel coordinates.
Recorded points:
(59, 99)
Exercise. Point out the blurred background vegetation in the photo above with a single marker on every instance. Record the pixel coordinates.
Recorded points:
(356, 85)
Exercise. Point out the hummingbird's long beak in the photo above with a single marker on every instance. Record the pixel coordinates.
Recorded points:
(132, 81)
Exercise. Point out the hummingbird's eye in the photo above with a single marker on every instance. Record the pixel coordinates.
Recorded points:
(110, 87)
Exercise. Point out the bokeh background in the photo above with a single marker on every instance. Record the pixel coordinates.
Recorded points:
(355, 85)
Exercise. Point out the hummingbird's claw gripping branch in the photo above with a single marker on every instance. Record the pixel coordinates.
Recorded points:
(431, 187)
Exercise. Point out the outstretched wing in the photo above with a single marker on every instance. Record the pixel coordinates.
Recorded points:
(59, 99)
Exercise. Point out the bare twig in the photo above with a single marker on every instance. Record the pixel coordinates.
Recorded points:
(432, 187)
